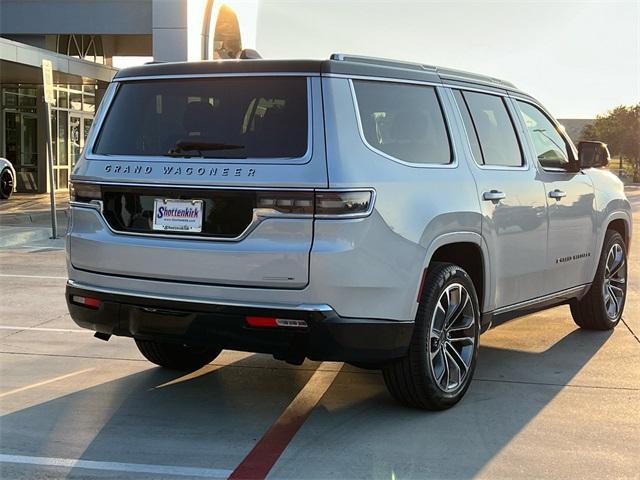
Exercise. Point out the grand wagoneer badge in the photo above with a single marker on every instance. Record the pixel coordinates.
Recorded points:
(171, 170)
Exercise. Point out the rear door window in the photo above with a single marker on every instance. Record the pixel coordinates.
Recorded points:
(252, 117)
(403, 121)
(498, 141)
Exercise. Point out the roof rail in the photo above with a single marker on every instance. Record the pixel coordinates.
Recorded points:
(453, 74)
(383, 62)
(447, 73)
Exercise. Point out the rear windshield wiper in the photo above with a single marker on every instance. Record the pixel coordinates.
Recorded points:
(188, 148)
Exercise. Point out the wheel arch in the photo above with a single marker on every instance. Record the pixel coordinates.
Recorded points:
(468, 251)
(621, 226)
(620, 222)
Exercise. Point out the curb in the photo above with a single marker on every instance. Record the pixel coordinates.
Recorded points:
(33, 218)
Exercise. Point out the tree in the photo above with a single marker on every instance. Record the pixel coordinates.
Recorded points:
(620, 130)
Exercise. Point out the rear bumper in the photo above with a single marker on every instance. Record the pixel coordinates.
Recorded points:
(327, 337)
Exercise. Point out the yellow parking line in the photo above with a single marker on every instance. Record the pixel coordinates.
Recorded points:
(45, 382)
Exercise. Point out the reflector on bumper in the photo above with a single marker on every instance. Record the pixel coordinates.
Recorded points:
(274, 322)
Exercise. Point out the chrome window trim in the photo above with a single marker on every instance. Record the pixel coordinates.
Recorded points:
(307, 307)
(454, 154)
(303, 160)
(214, 75)
(381, 79)
(502, 93)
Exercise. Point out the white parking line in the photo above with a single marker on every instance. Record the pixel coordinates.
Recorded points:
(44, 329)
(11, 275)
(117, 466)
(45, 382)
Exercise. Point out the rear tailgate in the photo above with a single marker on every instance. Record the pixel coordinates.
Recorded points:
(243, 153)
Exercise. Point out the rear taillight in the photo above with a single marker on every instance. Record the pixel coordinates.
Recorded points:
(341, 204)
(290, 203)
(84, 192)
(325, 204)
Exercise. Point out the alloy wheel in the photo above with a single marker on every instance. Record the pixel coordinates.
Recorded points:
(452, 338)
(615, 279)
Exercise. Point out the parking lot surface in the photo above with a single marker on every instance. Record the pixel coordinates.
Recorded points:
(548, 401)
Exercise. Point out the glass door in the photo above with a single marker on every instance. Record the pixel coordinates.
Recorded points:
(29, 141)
(21, 147)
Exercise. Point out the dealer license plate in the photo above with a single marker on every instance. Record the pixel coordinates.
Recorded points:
(177, 215)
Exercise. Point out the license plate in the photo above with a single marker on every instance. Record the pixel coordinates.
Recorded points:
(177, 215)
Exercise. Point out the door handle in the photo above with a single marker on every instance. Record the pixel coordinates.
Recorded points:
(493, 195)
(557, 194)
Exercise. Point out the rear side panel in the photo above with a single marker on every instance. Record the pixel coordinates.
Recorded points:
(382, 257)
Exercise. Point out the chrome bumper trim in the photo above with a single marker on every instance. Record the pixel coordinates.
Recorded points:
(229, 303)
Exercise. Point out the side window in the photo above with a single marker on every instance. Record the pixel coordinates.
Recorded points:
(551, 148)
(469, 127)
(403, 121)
(498, 140)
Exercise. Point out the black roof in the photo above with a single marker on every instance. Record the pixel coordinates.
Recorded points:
(338, 64)
(220, 66)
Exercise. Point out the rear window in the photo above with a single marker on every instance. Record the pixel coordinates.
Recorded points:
(251, 117)
(403, 121)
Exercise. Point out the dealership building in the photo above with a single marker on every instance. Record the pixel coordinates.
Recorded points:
(85, 41)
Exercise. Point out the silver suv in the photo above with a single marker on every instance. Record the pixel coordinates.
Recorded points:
(376, 212)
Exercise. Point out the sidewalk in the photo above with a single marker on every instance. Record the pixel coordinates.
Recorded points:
(25, 221)
(29, 209)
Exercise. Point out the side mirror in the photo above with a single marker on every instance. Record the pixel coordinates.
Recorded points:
(593, 154)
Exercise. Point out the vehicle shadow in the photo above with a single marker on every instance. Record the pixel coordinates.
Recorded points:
(367, 435)
(357, 431)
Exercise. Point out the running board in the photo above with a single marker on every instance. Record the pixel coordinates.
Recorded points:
(504, 314)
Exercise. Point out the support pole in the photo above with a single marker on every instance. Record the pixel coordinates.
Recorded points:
(52, 182)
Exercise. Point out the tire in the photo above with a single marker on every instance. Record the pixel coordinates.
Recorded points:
(418, 381)
(6, 184)
(602, 306)
(185, 358)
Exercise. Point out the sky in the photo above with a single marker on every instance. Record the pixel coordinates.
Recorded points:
(579, 58)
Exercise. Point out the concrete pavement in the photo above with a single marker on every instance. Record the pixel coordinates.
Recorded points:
(548, 401)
